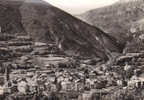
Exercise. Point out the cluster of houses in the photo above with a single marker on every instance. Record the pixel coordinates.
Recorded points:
(28, 67)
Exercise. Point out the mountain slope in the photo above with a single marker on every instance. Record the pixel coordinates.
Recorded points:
(10, 17)
(116, 19)
(46, 23)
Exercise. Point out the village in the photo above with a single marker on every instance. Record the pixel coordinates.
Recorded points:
(36, 69)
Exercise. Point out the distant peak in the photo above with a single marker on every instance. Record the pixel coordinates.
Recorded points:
(122, 1)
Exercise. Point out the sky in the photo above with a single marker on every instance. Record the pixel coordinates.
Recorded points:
(79, 6)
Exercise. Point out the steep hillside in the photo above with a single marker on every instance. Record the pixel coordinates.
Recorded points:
(45, 23)
(10, 17)
(116, 19)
